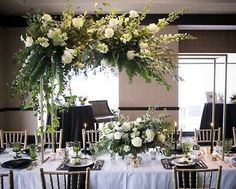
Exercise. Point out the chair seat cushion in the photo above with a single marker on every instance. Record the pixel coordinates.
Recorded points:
(101, 119)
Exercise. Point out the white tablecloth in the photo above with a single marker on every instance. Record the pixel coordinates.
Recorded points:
(116, 174)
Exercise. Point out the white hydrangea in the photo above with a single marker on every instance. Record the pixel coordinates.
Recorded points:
(68, 56)
(150, 135)
(43, 41)
(46, 18)
(137, 142)
(78, 22)
(28, 41)
(117, 135)
(126, 126)
(109, 32)
(103, 48)
(113, 22)
(126, 38)
(153, 28)
(143, 46)
(130, 55)
(133, 14)
(127, 148)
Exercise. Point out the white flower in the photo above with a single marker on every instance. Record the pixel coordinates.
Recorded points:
(126, 148)
(153, 28)
(126, 126)
(150, 135)
(110, 136)
(103, 48)
(43, 41)
(138, 120)
(161, 137)
(137, 142)
(104, 62)
(109, 32)
(133, 14)
(132, 135)
(126, 19)
(67, 57)
(130, 55)
(78, 22)
(126, 37)
(113, 22)
(143, 46)
(162, 23)
(28, 41)
(117, 135)
(46, 17)
(57, 36)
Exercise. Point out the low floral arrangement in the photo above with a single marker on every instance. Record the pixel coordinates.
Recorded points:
(133, 137)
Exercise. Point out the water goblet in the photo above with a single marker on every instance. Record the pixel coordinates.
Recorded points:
(228, 145)
(33, 152)
(93, 147)
(76, 148)
(16, 147)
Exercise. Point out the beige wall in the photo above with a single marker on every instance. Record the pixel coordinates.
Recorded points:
(138, 93)
(2, 77)
(15, 120)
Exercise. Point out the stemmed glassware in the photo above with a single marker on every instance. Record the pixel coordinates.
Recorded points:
(76, 148)
(33, 152)
(94, 149)
(228, 145)
(16, 147)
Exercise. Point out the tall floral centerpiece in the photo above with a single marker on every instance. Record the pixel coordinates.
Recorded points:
(55, 47)
(133, 137)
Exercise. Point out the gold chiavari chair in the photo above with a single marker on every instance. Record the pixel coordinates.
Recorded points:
(89, 136)
(203, 136)
(9, 137)
(65, 180)
(197, 178)
(9, 177)
(47, 138)
(234, 135)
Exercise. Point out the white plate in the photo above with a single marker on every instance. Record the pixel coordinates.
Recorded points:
(178, 163)
(83, 163)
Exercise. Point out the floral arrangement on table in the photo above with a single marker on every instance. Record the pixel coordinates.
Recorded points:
(57, 47)
(133, 137)
(233, 98)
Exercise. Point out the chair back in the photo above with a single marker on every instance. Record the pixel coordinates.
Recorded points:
(100, 108)
(197, 178)
(65, 180)
(47, 138)
(9, 177)
(203, 136)
(89, 136)
(234, 135)
(9, 137)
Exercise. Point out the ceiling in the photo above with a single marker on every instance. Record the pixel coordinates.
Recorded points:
(20, 7)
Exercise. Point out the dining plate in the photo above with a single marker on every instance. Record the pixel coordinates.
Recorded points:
(183, 161)
(17, 163)
(83, 163)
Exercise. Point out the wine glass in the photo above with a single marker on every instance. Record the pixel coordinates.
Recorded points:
(93, 147)
(16, 147)
(228, 145)
(33, 152)
(76, 147)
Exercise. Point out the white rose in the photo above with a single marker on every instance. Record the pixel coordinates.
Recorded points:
(43, 41)
(117, 135)
(113, 22)
(153, 28)
(150, 135)
(126, 126)
(133, 14)
(143, 46)
(130, 55)
(67, 57)
(78, 22)
(137, 142)
(28, 41)
(46, 17)
(126, 148)
(161, 138)
(109, 32)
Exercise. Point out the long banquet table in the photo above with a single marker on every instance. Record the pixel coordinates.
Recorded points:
(116, 174)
